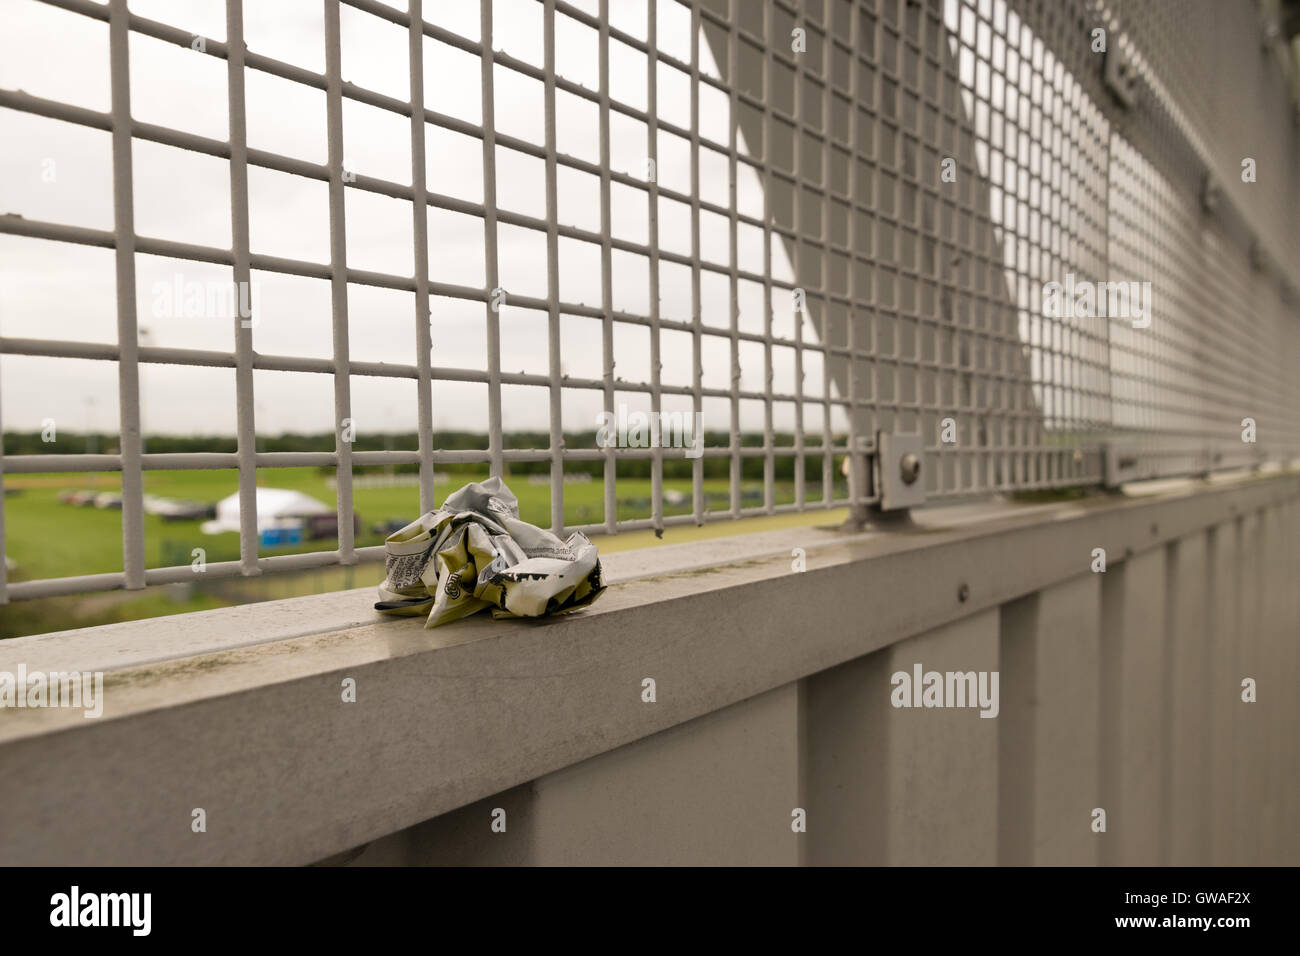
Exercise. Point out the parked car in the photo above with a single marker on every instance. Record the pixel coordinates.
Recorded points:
(385, 528)
(327, 526)
(174, 509)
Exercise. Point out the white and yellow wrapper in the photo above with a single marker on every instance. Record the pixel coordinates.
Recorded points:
(475, 552)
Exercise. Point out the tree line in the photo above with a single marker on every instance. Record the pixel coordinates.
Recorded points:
(676, 465)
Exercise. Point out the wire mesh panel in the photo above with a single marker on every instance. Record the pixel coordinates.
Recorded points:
(713, 247)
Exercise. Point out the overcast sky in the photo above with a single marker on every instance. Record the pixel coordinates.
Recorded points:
(60, 172)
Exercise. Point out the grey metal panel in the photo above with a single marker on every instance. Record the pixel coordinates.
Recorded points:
(1049, 750)
(1187, 823)
(460, 713)
(881, 780)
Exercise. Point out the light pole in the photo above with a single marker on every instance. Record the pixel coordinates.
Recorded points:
(92, 442)
(145, 336)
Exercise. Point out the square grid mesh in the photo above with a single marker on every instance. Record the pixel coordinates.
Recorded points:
(889, 296)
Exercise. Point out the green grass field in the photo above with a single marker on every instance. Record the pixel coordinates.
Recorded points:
(46, 538)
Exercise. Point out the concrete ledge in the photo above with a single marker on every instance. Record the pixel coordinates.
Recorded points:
(255, 731)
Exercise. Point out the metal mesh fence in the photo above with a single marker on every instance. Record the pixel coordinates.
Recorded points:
(940, 184)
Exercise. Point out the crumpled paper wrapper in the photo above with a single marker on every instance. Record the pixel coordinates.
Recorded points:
(474, 552)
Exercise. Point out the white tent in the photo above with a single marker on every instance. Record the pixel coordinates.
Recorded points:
(273, 506)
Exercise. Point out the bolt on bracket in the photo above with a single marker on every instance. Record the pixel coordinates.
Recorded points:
(899, 466)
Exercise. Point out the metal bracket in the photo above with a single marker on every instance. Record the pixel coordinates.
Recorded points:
(1121, 464)
(898, 466)
(1119, 73)
(1209, 460)
(1211, 193)
(1258, 258)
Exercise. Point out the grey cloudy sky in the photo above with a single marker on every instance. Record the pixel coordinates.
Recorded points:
(59, 172)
